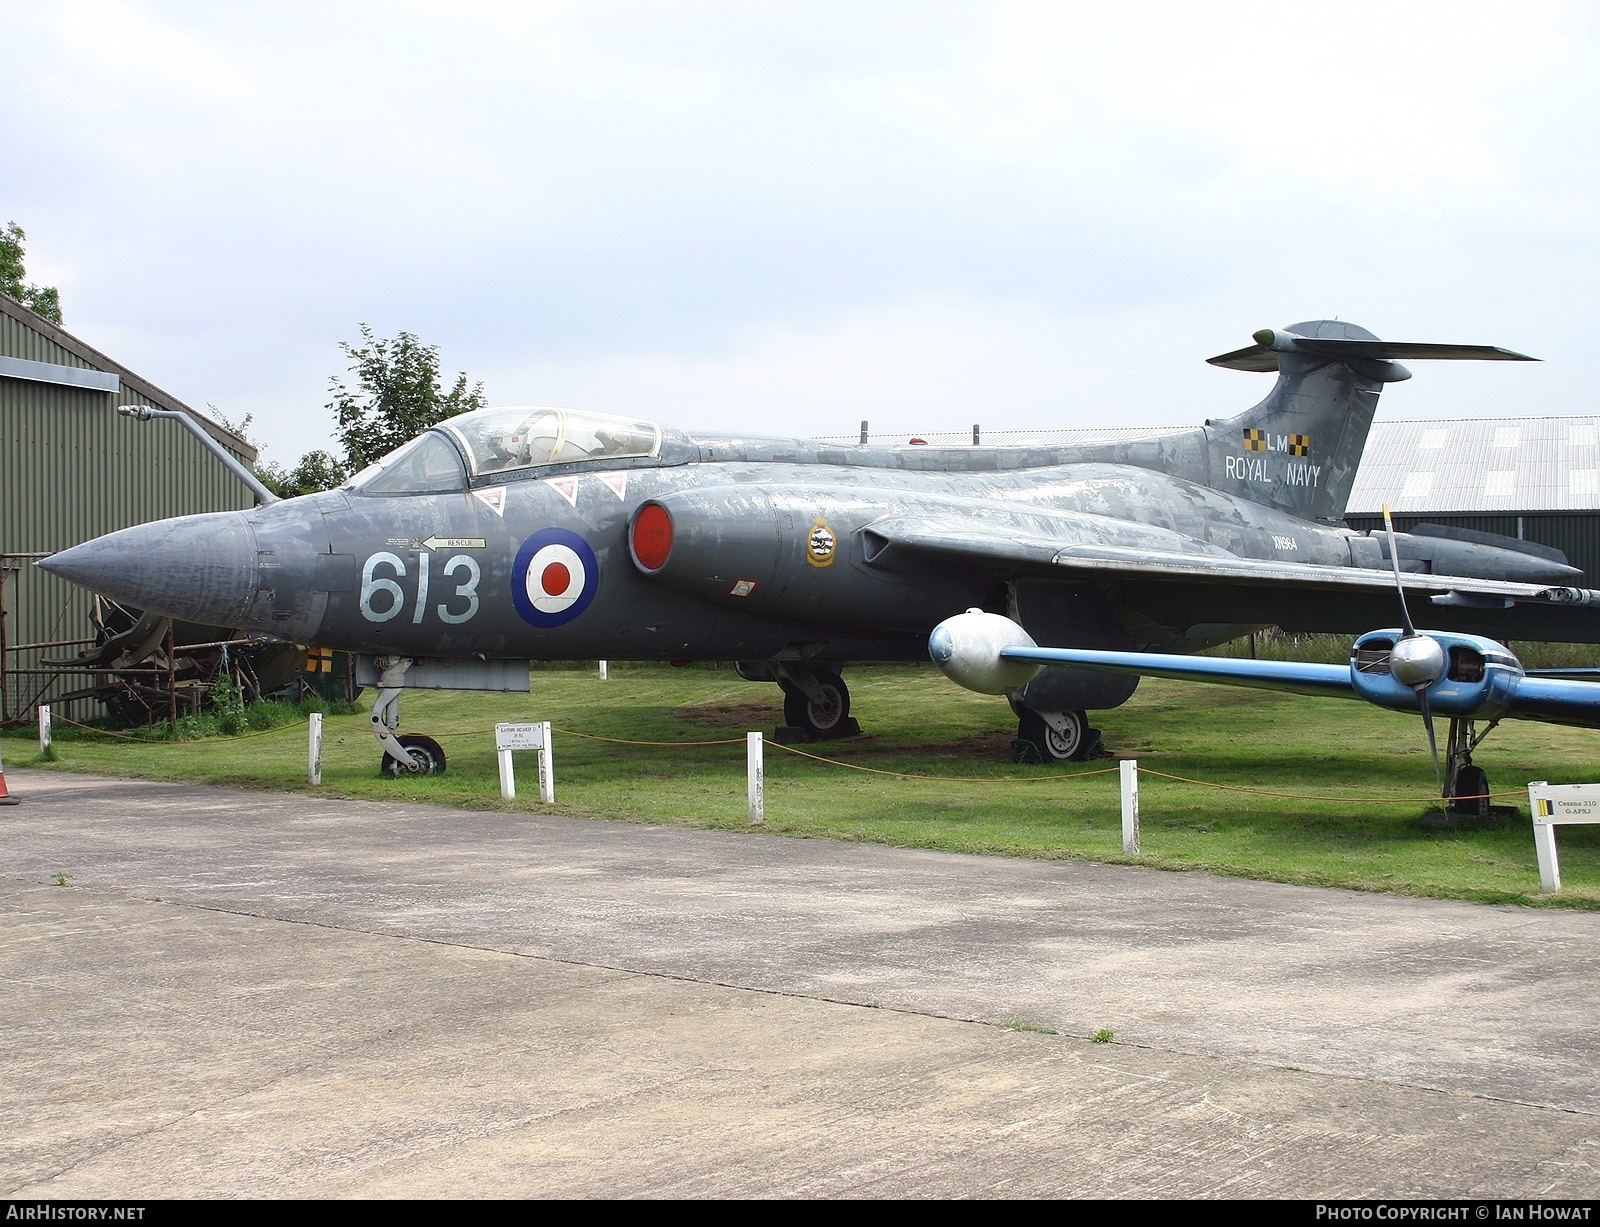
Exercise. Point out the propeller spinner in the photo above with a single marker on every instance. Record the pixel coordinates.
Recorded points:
(1416, 660)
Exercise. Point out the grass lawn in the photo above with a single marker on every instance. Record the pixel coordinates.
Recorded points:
(1361, 777)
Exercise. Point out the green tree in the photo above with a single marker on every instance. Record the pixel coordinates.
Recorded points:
(398, 396)
(314, 471)
(45, 299)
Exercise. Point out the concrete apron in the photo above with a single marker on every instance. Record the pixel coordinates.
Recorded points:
(243, 993)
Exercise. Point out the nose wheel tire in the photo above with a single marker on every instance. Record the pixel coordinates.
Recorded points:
(823, 717)
(1070, 744)
(427, 754)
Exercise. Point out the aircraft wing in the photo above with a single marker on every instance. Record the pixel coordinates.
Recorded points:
(1222, 588)
(1013, 549)
(1557, 701)
(1285, 675)
(1551, 700)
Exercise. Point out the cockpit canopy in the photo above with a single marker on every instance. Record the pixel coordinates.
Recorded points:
(498, 440)
(502, 441)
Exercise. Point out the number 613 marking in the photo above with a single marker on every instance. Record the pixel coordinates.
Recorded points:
(383, 598)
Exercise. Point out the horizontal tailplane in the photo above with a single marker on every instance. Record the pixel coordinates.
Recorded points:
(1298, 450)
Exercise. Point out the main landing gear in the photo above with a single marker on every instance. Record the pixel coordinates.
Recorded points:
(411, 754)
(1053, 736)
(815, 701)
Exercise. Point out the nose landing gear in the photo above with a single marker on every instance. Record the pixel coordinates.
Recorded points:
(408, 755)
(425, 757)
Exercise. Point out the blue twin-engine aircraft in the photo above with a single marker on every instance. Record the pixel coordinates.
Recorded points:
(1466, 678)
(515, 534)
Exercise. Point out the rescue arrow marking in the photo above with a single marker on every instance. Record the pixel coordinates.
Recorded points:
(455, 543)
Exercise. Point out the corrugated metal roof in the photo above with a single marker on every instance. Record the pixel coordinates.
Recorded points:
(1480, 465)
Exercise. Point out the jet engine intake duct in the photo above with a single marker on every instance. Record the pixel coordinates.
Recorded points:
(705, 541)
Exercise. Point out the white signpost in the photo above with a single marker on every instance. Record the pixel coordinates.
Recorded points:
(509, 737)
(44, 728)
(1552, 805)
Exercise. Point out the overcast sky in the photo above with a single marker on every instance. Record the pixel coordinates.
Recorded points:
(787, 217)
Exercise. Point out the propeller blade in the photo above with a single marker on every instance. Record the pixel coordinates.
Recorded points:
(1394, 558)
(1433, 744)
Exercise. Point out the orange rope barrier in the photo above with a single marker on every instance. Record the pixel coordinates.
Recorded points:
(623, 741)
(834, 762)
(1308, 796)
(161, 741)
(945, 779)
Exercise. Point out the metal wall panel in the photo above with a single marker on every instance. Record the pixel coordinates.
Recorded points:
(72, 468)
(19, 340)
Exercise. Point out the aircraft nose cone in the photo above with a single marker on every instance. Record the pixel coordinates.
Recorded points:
(199, 568)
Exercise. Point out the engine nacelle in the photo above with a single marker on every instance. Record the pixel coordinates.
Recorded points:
(1480, 676)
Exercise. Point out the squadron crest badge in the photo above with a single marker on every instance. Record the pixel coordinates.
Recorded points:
(821, 544)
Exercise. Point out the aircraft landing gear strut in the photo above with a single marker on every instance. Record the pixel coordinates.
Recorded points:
(1466, 786)
(409, 755)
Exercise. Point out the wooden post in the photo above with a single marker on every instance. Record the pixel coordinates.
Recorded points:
(547, 766)
(5, 648)
(508, 775)
(755, 779)
(1130, 806)
(315, 748)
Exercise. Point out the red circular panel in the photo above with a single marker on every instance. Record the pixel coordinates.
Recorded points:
(557, 578)
(652, 536)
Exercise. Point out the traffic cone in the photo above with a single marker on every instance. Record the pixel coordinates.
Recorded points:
(5, 796)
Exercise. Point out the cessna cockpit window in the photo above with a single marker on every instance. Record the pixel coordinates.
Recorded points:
(426, 465)
(500, 440)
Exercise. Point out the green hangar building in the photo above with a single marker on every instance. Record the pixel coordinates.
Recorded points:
(72, 468)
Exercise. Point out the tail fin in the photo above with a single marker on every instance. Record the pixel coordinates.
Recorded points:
(1298, 450)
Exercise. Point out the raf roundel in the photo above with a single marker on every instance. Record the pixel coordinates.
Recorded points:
(554, 578)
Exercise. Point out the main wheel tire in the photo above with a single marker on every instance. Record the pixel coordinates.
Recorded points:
(1070, 744)
(822, 718)
(426, 751)
(1469, 792)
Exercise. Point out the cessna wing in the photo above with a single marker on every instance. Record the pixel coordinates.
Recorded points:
(1466, 678)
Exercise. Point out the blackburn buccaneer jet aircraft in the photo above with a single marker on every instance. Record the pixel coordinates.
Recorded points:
(515, 534)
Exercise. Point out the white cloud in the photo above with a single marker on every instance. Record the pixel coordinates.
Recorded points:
(806, 209)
